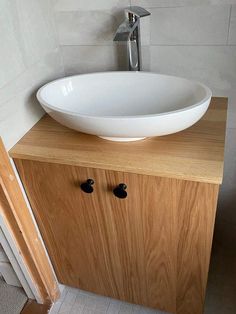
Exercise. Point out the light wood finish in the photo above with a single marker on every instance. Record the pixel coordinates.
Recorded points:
(195, 154)
(152, 248)
(19, 221)
(32, 307)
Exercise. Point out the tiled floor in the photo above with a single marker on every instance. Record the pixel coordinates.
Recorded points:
(75, 301)
(220, 298)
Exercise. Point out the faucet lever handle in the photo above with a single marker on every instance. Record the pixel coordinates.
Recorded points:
(137, 11)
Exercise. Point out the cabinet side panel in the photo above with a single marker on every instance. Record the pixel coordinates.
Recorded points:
(195, 222)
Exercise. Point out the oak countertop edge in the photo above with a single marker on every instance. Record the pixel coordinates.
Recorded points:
(195, 154)
(180, 176)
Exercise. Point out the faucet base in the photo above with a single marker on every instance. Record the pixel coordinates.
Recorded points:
(123, 139)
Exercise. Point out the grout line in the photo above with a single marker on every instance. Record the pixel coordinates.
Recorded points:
(151, 45)
(130, 3)
(192, 45)
(230, 14)
(230, 128)
(59, 308)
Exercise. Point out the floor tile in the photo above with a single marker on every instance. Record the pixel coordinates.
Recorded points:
(70, 298)
(114, 307)
(81, 299)
(126, 308)
(89, 311)
(77, 309)
(56, 307)
(65, 308)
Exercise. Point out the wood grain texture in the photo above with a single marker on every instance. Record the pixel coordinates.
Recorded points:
(20, 223)
(32, 307)
(152, 248)
(194, 154)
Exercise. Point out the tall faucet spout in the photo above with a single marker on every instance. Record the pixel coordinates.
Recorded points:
(125, 31)
(129, 31)
(138, 11)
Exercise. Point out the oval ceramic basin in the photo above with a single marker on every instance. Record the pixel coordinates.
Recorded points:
(125, 106)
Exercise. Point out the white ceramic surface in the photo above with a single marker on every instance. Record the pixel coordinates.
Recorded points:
(125, 106)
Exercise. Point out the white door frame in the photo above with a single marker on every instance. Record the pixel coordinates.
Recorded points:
(17, 263)
(7, 240)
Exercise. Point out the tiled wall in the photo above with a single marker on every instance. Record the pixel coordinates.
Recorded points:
(190, 38)
(86, 29)
(29, 57)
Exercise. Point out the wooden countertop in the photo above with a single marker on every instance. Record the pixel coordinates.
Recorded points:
(195, 154)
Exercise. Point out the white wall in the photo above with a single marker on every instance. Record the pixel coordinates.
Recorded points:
(190, 38)
(29, 57)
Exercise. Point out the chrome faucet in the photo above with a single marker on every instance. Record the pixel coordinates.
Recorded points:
(129, 31)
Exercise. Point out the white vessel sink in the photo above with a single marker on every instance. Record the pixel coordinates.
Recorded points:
(125, 106)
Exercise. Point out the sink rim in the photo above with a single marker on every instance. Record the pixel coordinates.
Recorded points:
(117, 117)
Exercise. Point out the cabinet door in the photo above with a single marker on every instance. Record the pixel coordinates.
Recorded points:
(151, 248)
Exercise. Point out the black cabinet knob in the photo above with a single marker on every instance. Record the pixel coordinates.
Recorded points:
(119, 191)
(87, 186)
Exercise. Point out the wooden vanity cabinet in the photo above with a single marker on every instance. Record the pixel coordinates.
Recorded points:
(151, 248)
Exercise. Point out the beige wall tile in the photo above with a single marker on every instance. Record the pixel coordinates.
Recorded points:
(29, 57)
(90, 5)
(37, 28)
(86, 28)
(196, 25)
(19, 107)
(46, 69)
(146, 58)
(86, 59)
(11, 57)
(212, 65)
(176, 3)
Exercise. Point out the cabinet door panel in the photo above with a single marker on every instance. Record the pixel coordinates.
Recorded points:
(151, 248)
